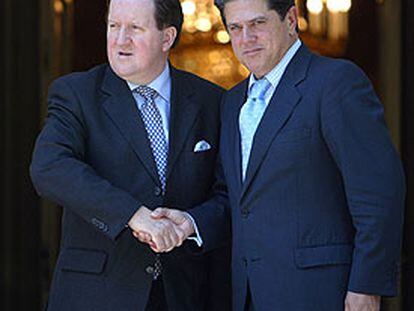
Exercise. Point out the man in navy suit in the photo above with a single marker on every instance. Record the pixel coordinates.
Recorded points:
(314, 185)
(120, 140)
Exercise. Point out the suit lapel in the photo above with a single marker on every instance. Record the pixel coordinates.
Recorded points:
(184, 111)
(120, 106)
(281, 105)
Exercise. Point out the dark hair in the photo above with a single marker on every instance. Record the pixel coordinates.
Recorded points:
(167, 13)
(280, 6)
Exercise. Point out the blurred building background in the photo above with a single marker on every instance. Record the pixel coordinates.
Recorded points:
(43, 39)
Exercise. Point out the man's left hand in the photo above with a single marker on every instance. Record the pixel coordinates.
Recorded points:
(362, 302)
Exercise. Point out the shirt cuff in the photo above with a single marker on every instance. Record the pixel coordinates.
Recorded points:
(197, 238)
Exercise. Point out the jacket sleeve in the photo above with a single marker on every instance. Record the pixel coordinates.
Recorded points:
(213, 217)
(354, 129)
(60, 173)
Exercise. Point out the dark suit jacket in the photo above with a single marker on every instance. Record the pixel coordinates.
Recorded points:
(321, 209)
(93, 158)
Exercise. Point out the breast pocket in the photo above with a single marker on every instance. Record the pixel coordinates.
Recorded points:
(290, 146)
(293, 135)
(200, 150)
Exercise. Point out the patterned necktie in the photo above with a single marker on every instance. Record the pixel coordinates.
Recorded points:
(250, 115)
(153, 125)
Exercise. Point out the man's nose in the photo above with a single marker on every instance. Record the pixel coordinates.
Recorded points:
(123, 36)
(248, 34)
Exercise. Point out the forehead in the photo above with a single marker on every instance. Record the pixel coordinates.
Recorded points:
(244, 10)
(131, 9)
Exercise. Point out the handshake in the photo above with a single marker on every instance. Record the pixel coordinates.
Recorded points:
(162, 229)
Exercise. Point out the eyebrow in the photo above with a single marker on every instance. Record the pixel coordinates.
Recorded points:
(134, 22)
(257, 18)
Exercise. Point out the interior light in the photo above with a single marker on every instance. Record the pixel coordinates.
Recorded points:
(314, 6)
(203, 24)
(335, 6)
(222, 36)
(189, 7)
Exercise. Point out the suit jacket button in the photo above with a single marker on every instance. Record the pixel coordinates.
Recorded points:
(157, 191)
(149, 270)
(245, 213)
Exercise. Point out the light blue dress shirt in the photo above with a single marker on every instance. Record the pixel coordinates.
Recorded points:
(161, 84)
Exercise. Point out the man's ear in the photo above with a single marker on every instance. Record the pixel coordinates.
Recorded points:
(168, 38)
(292, 20)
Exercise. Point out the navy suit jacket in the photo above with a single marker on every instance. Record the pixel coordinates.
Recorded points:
(321, 209)
(93, 158)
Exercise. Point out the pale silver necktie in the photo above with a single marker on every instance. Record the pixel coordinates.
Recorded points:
(250, 115)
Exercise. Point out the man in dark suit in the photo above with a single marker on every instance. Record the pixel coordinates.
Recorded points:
(120, 140)
(315, 186)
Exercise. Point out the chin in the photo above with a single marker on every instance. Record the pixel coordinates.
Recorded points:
(253, 69)
(123, 68)
(124, 74)
(253, 66)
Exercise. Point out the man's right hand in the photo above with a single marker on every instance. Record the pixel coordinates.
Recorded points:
(161, 234)
(179, 218)
(362, 302)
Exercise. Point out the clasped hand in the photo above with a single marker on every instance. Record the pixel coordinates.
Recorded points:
(162, 229)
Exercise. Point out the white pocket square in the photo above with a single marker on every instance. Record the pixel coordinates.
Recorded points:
(202, 145)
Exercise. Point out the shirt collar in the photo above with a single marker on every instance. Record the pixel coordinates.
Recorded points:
(276, 73)
(161, 84)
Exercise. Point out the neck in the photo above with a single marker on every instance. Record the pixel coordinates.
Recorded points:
(150, 76)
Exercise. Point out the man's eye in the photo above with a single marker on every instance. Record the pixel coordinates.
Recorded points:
(258, 22)
(234, 28)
